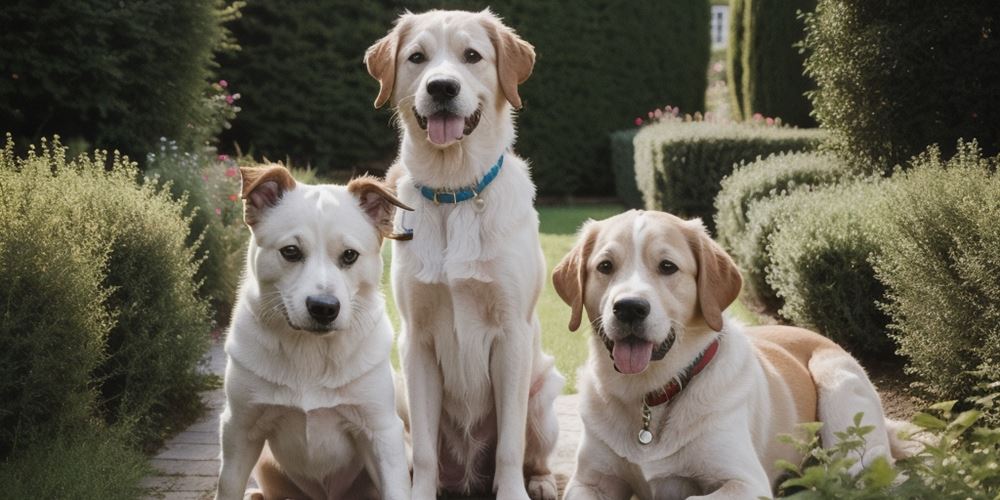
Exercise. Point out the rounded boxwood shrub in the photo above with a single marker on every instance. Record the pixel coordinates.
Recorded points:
(940, 264)
(821, 266)
(159, 329)
(115, 74)
(894, 76)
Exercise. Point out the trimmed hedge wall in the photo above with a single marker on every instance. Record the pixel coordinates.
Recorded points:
(765, 180)
(894, 76)
(117, 75)
(772, 80)
(623, 166)
(679, 165)
(940, 263)
(308, 98)
(734, 58)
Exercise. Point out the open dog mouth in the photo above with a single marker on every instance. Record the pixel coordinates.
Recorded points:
(444, 127)
(632, 354)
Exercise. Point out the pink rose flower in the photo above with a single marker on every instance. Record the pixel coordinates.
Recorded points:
(218, 211)
(223, 83)
(638, 121)
(231, 172)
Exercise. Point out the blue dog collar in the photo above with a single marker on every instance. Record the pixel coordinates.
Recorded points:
(467, 193)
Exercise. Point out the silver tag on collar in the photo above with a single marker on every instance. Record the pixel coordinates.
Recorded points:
(479, 203)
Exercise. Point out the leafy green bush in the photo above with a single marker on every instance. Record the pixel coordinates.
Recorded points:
(307, 98)
(894, 76)
(160, 328)
(100, 463)
(210, 191)
(734, 58)
(940, 264)
(679, 165)
(773, 83)
(820, 264)
(746, 237)
(956, 459)
(623, 166)
(115, 74)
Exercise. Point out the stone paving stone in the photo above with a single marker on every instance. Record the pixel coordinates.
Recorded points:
(183, 451)
(194, 437)
(186, 467)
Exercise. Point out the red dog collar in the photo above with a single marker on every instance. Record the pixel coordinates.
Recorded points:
(675, 386)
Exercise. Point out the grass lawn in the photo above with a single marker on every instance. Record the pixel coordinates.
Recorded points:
(558, 225)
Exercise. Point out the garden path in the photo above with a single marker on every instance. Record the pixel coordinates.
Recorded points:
(187, 466)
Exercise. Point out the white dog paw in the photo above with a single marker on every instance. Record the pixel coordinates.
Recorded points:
(542, 487)
(253, 495)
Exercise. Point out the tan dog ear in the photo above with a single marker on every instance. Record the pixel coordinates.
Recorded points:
(378, 202)
(515, 57)
(380, 59)
(719, 280)
(262, 188)
(570, 276)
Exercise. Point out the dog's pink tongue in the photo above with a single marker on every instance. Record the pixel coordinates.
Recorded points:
(443, 128)
(632, 356)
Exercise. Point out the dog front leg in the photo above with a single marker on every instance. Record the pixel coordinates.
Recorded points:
(240, 450)
(510, 372)
(387, 438)
(424, 386)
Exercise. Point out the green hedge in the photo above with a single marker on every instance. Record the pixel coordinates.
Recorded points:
(746, 238)
(821, 266)
(117, 75)
(734, 58)
(894, 76)
(623, 166)
(307, 97)
(772, 80)
(941, 266)
(679, 165)
(156, 329)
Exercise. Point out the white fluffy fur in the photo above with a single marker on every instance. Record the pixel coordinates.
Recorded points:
(468, 282)
(323, 401)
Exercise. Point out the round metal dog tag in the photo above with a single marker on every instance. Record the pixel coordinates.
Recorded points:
(645, 437)
(479, 203)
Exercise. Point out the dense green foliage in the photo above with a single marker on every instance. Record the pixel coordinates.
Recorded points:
(767, 179)
(772, 81)
(894, 76)
(820, 265)
(117, 75)
(679, 165)
(152, 329)
(623, 166)
(734, 58)
(941, 266)
(307, 97)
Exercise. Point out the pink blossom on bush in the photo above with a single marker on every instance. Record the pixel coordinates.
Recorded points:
(229, 99)
(223, 83)
(769, 121)
(218, 211)
(638, 121)
(757, 117)
(231, 172)
(223, 158)
(233, 197)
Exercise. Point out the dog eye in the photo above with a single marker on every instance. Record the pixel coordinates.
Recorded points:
(472, 57)
(417, 58)
(667, 267)
(605, 267)
(291, 253)
(349, 256)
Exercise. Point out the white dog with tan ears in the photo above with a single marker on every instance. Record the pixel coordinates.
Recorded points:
(480, 388)
(677, 399)
(309, 386)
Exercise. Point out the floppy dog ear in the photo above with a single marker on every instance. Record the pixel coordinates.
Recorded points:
(380, 59)
(262, 188)
(378, 202)
(570, 276)
(515, 57)
(719, 280)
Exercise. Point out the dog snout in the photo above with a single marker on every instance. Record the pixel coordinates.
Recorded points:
(443, 89)
(323, 308)
(631, 310)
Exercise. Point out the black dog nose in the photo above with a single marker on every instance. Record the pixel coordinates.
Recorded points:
(323, 308)
(631, 310)
(443, 89)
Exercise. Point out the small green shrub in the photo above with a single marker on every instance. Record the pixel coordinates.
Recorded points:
(894, 76)
(746, 237)
(148, 375)
(100, 463)
(955, 460)
(679, 165)
(773, 83)
(820, 257)
(623, 165)
(940, 264)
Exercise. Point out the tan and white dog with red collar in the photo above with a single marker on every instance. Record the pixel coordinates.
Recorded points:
(678, 400)
(481, 390)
